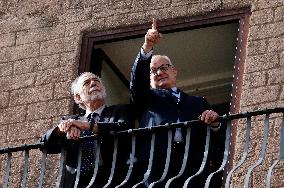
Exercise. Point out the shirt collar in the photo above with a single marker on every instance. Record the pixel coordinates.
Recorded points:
(175, 92)
(98, 111)
(174, 89)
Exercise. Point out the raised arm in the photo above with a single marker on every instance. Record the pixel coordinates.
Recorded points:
(152, 37)
(140, 72)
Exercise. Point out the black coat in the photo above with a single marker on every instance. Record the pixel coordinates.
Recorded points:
(115, 113)
(158, 106)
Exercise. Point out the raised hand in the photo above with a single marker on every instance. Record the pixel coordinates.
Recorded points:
(152, 37)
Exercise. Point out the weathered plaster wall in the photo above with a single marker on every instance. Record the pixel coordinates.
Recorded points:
(40, 46)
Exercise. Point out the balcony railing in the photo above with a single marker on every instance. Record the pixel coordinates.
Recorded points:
(228, 166)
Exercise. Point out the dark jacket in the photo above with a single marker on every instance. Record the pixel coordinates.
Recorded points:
(158, 107)
(115, 113)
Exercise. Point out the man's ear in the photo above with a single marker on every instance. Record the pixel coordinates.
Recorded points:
(77, 98)
(175, 71)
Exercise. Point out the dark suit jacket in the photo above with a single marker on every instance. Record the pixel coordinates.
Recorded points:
(157, 107)
(115, 113)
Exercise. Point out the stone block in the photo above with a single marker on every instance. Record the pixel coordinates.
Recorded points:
(98, 24)
(3, 134)
(54, 75)
(12, 115)
(49, 109)
(19, 52)
(262, 16)
(183, 3)
(202, 8)
(281, 63)
(275, 76)
(262, 4)
(7, 39)
(34, 8)
(278, 176)
(40, 34)
(51, 173)
(233, 4)
(257, 179)
(31, 95)
(255, 79)
(179, 11)
(262, 106)
(209, 6)
(279, 13)
(276, 44)
(282, 94)
(256, 47)
(104, 11)
(62, 90)
(34, 172)
(48, 62)
(269, 30)
(76, 28)
(25, 66)
(4, 99)
(260, 95)
(124, 20)
(69, 59)
(13, 23)
(159, 14)
(121, 4)
(59, 45)
(30, 129)
(112, 8)
(6, 69)
(261, 62)
(16, 164)
(238, 178)
(84, 3)
(144, 5)
(75, 15)
(20, 81)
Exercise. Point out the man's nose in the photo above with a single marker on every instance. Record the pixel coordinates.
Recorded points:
(93, 83)
(159, 71)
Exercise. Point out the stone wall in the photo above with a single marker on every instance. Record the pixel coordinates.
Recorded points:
(40, 46)
(263, 88)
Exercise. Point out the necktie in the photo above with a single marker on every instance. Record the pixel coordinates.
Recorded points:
(178, 134)
(175, 95)
(88, 147)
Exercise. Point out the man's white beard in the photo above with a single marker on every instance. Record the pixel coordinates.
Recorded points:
(97, 95)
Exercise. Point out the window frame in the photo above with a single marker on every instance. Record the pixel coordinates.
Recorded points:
(177, 24)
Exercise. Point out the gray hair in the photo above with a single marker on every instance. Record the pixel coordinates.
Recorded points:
(156, 57)
(75, 87)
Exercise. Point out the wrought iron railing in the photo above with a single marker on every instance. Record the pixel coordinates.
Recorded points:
(228, 173)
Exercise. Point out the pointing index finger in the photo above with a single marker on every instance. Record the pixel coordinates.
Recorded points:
(154, 24)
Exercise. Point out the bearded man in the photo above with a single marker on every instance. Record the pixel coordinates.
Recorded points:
(89, 93)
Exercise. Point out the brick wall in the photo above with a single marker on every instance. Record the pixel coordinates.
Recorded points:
(40, 46)
(263, 88)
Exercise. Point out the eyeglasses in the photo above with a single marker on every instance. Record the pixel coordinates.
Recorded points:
(162, 68)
